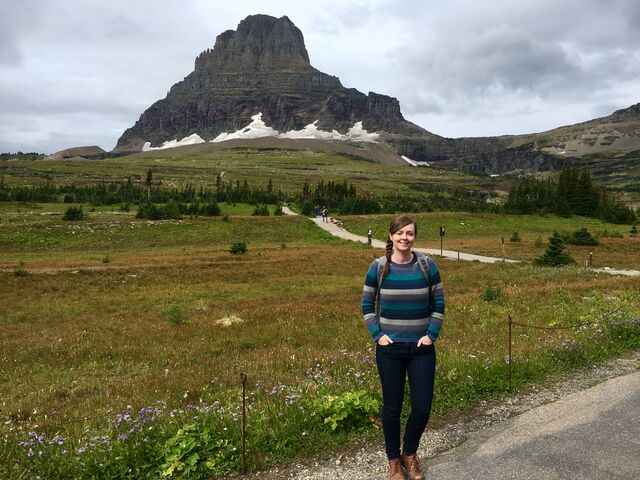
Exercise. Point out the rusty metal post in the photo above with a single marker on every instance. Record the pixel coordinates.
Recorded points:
(243, 377)
(510, 327)
(590, 258)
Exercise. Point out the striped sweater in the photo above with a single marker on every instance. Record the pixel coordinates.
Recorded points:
(405, 311)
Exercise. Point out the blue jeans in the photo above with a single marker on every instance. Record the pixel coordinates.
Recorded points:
(395, 362)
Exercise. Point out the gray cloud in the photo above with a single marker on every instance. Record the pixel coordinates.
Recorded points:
(82, 72)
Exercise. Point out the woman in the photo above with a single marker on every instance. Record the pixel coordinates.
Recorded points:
(403, 308)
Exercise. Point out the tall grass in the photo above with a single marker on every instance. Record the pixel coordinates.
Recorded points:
(132, 369)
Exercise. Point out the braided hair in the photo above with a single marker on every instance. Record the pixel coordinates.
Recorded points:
(397, 224)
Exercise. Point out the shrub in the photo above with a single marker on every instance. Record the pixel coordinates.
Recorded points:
(555, 254)
(151, 211)
(106, 258)
(538, 243)
(125, 207)
(73, 213)
(278, 211)
(581, 237)
(515, 237)
(173, 313)
(238, 248)
(491, 293)
(211, 209)
(634, 231)
(21, 271)
(348, 410)
(261, 210)
(225, 218)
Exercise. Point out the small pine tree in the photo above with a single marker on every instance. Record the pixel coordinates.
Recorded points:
(582, 237)
(555, 255)
(73, 213)
(634, 231)
(515, 237)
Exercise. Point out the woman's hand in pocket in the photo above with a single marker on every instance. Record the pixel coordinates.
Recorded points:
(425, 341)
(384, 340)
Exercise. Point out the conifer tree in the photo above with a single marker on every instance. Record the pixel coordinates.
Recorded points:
(555, 255)
(586, 197)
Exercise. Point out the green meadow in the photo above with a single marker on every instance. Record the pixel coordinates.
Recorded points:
(287, 169)
(123, 340)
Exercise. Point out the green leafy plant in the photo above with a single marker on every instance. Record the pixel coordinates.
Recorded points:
(173, 312)
(515, 237)
(196, 452)
(347, 410)
(238, 248)
(491, 293)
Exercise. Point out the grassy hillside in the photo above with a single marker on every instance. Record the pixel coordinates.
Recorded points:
(288, 170)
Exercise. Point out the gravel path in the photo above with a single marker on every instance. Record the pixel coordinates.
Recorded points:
(334, 227)
(368, 462)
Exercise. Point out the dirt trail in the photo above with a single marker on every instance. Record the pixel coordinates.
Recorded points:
(335, 229)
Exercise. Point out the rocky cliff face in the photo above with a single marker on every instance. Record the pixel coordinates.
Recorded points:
(263, 66)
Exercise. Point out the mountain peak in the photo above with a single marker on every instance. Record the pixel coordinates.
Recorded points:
(261, 43)
(633, 110)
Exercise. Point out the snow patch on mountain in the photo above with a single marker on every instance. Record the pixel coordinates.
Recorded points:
(258, 129)
(190, 140)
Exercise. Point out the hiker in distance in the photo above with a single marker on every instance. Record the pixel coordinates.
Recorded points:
(403, 309)
(325, 214)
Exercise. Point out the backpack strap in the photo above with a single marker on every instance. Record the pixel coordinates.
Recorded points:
(382, 261)
(423, 263)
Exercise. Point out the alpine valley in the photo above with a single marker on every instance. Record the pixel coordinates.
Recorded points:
(256, 86)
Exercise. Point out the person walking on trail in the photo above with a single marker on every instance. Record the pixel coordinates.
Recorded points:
(403, 307)
(325, 214)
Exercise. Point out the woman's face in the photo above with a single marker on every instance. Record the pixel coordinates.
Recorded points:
(404, 238)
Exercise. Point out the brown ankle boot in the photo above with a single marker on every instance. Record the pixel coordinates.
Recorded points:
(395, 470)
(412, 465)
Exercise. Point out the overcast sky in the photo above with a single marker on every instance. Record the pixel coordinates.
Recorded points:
(80, 72)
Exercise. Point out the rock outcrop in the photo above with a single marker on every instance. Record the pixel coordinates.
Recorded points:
(262, 67)
(90, 152)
